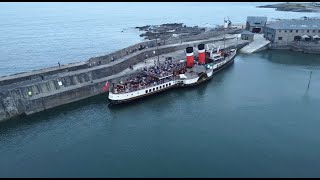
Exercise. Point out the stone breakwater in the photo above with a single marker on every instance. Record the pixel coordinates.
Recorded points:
(168, 31)
(31, 92)
(176, 31)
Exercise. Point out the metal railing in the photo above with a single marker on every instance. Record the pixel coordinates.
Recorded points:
(140, 87)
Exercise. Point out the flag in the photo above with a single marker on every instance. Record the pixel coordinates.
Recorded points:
(105, 86)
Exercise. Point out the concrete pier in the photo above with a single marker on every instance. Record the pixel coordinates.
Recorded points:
(259, 43)
(35, 91)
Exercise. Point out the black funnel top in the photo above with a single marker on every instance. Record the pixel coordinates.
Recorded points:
(189, 49)
(200, 46)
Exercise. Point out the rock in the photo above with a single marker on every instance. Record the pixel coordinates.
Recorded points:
(143, 28)
(169, 30)
(293, 7)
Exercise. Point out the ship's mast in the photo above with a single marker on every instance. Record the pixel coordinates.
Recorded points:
(224, 39)
(224, 32)
(157, 50)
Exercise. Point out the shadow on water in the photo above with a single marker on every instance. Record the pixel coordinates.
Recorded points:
(100, 101)
(51, 114)
(306, 96)
(163, 99)
(284, 57)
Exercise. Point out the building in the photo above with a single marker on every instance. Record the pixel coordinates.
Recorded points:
(247, 35)
(256, 24)
(284, 32)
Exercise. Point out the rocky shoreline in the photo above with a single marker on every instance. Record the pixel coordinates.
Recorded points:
(168, 31)
(172, 31)
(294, 7)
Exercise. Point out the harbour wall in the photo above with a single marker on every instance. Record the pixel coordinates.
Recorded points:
(76, 84)
(51, 72)
(306, 47)
(54, 71)
(300, 46)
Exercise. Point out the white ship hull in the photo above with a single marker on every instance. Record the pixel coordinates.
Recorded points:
(118, 98)
(210, 73)
(123, 97)
(190, 81)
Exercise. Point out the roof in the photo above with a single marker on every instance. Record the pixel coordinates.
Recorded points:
(315, 36)
(256, 20)
(308, 24)
(247, 33)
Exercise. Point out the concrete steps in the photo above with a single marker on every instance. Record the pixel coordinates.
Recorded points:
(258, 43)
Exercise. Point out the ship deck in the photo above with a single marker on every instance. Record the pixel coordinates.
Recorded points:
(176, 56)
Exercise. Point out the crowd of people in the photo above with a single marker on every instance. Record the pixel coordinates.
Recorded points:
(167, 68)
(135, 83)
(225, 53)
(151, 76)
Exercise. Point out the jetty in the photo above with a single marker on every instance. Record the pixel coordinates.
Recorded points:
(32, 92)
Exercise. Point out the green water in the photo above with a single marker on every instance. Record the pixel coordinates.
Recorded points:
(254, 119)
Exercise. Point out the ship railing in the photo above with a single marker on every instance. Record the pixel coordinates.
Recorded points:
(140, 87)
